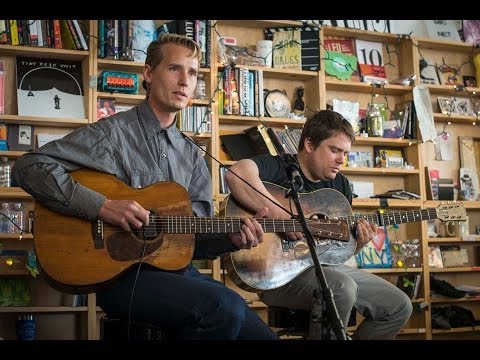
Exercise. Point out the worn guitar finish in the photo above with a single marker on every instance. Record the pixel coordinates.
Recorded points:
(275, 262)
(77, 255)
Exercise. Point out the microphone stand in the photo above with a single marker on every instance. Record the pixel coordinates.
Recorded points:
(322, 305)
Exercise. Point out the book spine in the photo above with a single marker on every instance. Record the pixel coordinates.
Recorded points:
(101, 39)
(66, 35)
(14, 32)
(73, 31)
(3, 33)
(57, 34)
(80, 34)
(39, 25)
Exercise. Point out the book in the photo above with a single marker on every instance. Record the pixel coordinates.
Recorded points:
(261, 141)
(287, 49)
(3, 137)
(442, 30)
(341, 59)
(20, 137)
(295, 47)
(432, 176)
(370, 61)
(238, 146)
(471, 31)
(428, 72)
(2, 88)
(50, 88)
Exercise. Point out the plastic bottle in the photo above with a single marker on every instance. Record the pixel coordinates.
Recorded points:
(18, 217)
(4, 172)
(5, 218)
(200, 90)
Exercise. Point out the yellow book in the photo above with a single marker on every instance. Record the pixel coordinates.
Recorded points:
(287, 50)
(14, 32)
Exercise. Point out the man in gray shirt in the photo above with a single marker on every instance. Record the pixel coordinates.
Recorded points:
(140, 147)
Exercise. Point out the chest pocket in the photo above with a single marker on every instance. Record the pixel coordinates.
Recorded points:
(145, 178)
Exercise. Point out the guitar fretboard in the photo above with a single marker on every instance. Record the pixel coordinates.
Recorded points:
(392, 218)
(214, 225)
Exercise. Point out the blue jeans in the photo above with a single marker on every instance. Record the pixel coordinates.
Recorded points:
(191, 306)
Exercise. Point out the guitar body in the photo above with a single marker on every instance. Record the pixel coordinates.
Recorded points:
(276, 261)
(75, 260)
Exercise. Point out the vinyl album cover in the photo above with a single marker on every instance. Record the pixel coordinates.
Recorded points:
(50, 88)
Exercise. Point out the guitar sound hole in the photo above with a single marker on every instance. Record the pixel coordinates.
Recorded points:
(151, 231)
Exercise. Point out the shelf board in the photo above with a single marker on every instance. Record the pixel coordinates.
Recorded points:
(260, 23)
(43, 121)
(456, 269)
(355, 86)
(392, 203)
(44, 53)
(26, 236)
(450, 90)
(360, 34)
(122, 98)
(444, 45)
(14, 192)
(121, 65)
(452, 240)
(257, 305)
(393, 270)
(455, 118)
(372, 141)
(453, 300)
(12, 154)
(456, 330)
(286, 74)
(378, 171)
(252, 120)
(15, 272)
(42, 309)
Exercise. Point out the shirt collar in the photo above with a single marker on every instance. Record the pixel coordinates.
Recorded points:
(152, 126)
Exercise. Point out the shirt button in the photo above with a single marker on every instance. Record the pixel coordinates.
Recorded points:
(66, 203)
(163, 156)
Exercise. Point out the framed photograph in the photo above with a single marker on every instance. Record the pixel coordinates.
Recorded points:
(477, 229)
(469, 81)
(446, 104)
(388, 157)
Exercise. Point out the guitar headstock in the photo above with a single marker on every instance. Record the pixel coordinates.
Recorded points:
(453, 211)
(329, 228)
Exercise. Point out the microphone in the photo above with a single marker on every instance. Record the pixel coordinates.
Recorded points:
(291, 166)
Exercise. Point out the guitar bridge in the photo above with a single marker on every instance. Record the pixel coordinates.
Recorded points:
(97, 233)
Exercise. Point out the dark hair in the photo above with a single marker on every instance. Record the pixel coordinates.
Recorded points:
(323, 125)
(155, 55)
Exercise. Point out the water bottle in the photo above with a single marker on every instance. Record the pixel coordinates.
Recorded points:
(5, 214)
(200, 90)
(4, 172)
(18, 218)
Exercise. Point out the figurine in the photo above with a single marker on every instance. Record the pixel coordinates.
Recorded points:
(299, 105)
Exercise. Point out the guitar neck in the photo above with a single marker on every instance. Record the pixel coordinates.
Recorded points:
(392, 218)
(213, 225)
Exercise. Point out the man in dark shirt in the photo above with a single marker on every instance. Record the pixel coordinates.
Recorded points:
(140, 147)
(326, 138)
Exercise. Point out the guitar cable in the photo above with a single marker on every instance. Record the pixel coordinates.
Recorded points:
(129, 318)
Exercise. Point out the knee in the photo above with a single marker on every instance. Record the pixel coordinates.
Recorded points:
(405, 307)
(346, 290)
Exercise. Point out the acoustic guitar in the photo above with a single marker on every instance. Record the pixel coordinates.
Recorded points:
(77, 255)
(277, 261)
